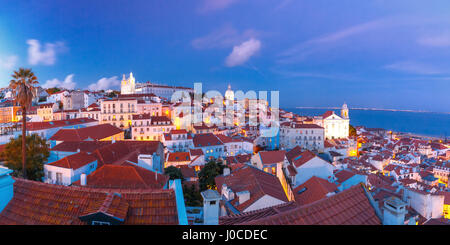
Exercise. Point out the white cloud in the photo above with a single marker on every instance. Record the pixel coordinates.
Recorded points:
(414, 68)
(105, 83)
(46, 56)
(243, 52)
(306, 48)
(68, 83)
(224, 37)
(9, 62)
(442, 40)
(213, 5)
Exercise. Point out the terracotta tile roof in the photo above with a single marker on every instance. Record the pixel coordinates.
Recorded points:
(202, 140)
(36, 203)
(178, 157)
(236, 219)
(196, 152)
(343, 175)
(294, 152)
(178, 131)
(381, 181)
(74, 161)
(96, 132)
(122, 151)
(327, 114)
(93, 105)
(243, 158)
(306, 125)
(350, 207)
(303, 158)
(292, 170)
(74, 146)
(270, 157)
(225, 139)
(312, 190)
(187, 171)
(257, 182)
(113, 205)
(46, 105)
(204, 126)
(125, 176)
(32, 126)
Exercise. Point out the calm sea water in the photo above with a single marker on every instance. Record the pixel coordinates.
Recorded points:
(422, 123)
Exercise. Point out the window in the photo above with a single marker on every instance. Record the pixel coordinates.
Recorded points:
(100, 223)
(58, 178)
(49, 175)
(212, 203)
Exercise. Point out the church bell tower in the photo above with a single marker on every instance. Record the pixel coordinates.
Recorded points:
(344, 111)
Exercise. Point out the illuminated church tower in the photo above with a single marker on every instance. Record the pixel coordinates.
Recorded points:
(229, 94)
(128, 86)
(344, 111)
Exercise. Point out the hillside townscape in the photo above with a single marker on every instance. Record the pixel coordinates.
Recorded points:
(137, 156)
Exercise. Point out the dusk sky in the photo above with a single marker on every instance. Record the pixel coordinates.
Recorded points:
(374, 53)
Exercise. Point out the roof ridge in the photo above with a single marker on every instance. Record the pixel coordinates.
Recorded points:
(139, 176)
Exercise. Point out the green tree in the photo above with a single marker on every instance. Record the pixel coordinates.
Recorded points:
(173, 173)
(53, 90)
(23, 89)
(37, 154)
(192, 196)
(352, 131)
(208, 173)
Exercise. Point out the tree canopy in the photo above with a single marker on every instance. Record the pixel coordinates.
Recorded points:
(173, 173)
(208, 173)
(192, 196)
(53, 90)
(37, 154)
(352, 131)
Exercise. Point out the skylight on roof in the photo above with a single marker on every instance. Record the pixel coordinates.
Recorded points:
(302, 190)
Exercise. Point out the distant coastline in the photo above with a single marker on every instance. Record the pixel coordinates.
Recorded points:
(430, 125)
(369, 109)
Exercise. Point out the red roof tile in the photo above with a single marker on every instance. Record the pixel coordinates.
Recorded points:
(178, 157)
(312, 190)
(36, 203)
(270, 157)
(327, 114)
(33, 126)
(257, 182)
(303, 158)
(96, 132)
(74, 161)
(126, 176)
(202, 140)
(350, 207)
(343, 175)
(74, 146)
(257, 214)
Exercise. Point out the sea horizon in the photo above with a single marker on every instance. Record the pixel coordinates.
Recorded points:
(420, 123)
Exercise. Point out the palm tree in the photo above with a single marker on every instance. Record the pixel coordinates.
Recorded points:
(24, 91)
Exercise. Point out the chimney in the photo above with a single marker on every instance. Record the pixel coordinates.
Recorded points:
(6, 187)
(226, 171)
(83, 179)
(243, 196)
(227, 192)
(394, 211)
(211, 207)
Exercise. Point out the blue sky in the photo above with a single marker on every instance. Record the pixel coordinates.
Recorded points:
(378, 53)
